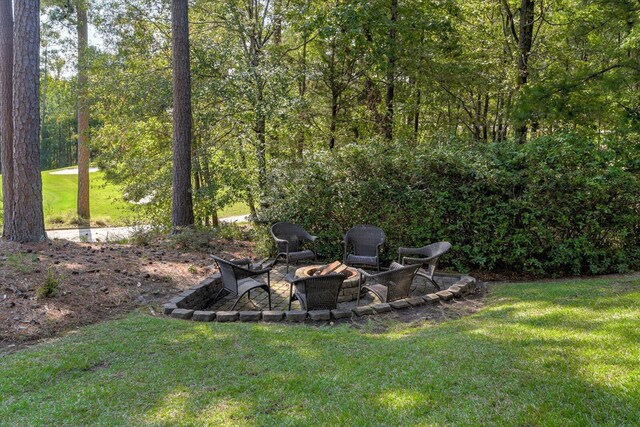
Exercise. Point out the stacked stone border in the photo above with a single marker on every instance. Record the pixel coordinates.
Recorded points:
(190, 304)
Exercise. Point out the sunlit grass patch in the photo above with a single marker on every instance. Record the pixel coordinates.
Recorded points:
(546, 353)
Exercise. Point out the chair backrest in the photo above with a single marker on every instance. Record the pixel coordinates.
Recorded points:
(292, 233)
(365, 239)
(398, 280)
(436, 249)
(321, 292)
(432, 251)
(228, 272)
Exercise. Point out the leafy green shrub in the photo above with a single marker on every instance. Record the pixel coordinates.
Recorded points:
(554, 206)
(191, 239)
(230, 231)
(263, 240)
(142, 236)
(51, 284)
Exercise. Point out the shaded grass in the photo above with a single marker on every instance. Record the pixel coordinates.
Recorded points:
(551, 353)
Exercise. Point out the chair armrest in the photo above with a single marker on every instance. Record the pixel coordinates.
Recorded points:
(290, 278)
(241, 261)
(364, 273)
(261, 271)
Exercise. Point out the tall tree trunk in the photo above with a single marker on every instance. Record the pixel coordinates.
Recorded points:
(208, 179)
(391, 73)
(261, 153)
(277, 22)
(27, 217)
(182, 202)
(6, 110)
(84, 212)
(525, 41)
(334, 119)
(302, 91)
(250, 201)
(198, 181)
(260, 130)
(45, 155)
(335, 93)
(416, 114)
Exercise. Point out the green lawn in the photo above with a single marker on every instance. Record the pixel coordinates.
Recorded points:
(60, 198)
(107, 206)
(548, 353)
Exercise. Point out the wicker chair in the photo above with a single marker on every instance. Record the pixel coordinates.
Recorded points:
(366, 242)
(390, 285)
(316, 292)
(427, 257)
(237, 280)
(290, 239)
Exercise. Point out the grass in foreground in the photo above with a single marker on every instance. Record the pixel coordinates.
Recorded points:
(551, 353)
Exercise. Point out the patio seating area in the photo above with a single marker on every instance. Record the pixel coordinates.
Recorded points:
(280, 293)
(253, 288)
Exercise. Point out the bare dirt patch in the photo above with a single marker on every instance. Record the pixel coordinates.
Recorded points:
(95, 282)
(440, 312)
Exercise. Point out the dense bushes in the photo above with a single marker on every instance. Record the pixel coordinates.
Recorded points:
(555, 206)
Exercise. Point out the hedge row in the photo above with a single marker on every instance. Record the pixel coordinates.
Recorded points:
(556, 206)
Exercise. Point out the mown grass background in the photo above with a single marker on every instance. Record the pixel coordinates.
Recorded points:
(60, 194)
(546, 353)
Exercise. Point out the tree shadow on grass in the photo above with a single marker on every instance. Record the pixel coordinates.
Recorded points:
(525, 360)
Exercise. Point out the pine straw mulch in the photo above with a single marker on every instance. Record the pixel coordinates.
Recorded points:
(97, 281)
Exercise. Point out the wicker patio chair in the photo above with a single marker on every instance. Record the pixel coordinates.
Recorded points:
(426, 256)
(290, 239)
(237, 280)
(366, 242)
(316, 292)
(390, 285)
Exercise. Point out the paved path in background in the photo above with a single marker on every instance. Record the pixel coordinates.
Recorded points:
(112, 233)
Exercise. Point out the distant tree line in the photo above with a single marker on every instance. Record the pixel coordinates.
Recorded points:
(276, 80)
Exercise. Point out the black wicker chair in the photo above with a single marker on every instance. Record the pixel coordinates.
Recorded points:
(427, 257)
(316, 292)
(390, 285)
(290, 239)
(237, 280)
(366, 242)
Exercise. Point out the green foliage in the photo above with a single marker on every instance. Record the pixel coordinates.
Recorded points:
(557, 205)
(19, 261)
(191, 239)
(142, 236)
(261, 237)
(52, 282)
(230, 231)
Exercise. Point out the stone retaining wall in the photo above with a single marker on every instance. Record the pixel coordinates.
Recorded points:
(190, 304)
(197, 298)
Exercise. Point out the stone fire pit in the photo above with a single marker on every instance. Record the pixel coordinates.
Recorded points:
(349, 291)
